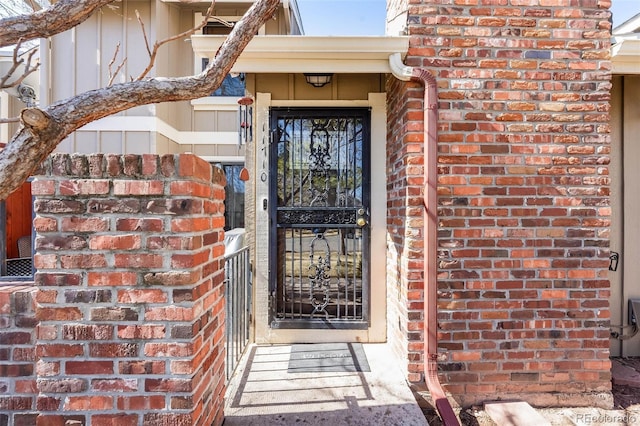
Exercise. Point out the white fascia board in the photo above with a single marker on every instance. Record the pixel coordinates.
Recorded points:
(629, 26)
(292, 6)
(155, 125)
(625, 57)
(312, 66)
(281, 54)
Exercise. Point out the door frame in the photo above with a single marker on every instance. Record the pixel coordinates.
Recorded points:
(259, 159)
(625, 202)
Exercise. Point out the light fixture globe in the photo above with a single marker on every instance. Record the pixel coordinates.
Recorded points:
(318, 79)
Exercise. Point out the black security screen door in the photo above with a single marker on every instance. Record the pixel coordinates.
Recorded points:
(319, 238)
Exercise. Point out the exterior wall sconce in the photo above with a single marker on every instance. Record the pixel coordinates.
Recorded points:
(245, 120)
(317, 79)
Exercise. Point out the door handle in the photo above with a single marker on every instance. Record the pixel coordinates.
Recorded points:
(361, 221)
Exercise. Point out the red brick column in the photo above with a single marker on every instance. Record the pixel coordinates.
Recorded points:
(523, 198)
(130, 302)
(17, 355)
(405, 241)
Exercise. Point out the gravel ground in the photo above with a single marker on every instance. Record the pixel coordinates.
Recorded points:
(627, 400)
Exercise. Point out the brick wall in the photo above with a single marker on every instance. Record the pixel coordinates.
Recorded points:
(130, 290)
(404, 223)
(523, 197)
(17, 355)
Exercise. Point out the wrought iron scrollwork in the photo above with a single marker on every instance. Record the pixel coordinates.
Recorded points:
(318, 216)
(319, 157)
(319, 279)
(319, 182)
(319, 164)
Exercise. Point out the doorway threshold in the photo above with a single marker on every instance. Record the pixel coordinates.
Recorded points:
(266, 391)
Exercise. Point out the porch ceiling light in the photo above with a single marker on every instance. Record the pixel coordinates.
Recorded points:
(318, 79)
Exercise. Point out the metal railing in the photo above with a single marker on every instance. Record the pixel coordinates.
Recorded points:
(238, 306)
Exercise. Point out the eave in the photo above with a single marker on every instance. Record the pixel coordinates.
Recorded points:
(629, 26)
(625, 56)
(297, 54)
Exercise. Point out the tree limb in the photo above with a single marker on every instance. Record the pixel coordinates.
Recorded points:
(29, 68)
(63, 15)
(113, 74)
(158, 44)
(40, 134)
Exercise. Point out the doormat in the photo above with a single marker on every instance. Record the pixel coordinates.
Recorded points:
(327, 357)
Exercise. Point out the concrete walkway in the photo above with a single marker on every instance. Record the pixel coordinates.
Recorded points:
(263, 392)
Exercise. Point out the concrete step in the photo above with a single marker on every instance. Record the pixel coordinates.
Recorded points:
(514, 413)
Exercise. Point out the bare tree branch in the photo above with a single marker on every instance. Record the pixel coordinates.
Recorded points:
(43, 130)
(144, 32)
(221, 21)
(29, 68)
(9, 120)
(158, 44)
(33, 5)
(63, 15)
(113, 74)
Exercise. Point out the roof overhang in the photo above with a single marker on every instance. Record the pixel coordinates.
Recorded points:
(298, 54)
(625, 56)
(629, 26)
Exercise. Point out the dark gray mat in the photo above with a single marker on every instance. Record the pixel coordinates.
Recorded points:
(327, 357)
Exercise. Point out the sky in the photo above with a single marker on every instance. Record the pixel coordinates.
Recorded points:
(343, 17)
(352, 17)
(367, 17)
(623, 10)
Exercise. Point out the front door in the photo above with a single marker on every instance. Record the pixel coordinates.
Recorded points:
(319, 231)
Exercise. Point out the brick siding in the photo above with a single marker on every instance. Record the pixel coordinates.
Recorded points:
(523, 186)
(17, 355)
(129, 300)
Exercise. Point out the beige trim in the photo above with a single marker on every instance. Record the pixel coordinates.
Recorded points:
(320, 104)
(215, 103)
(629, 111)
(223, 159)
(377, 330)
(4, 113)
(616, 187)
(156, 125)
(294, 54)
(625, 57)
